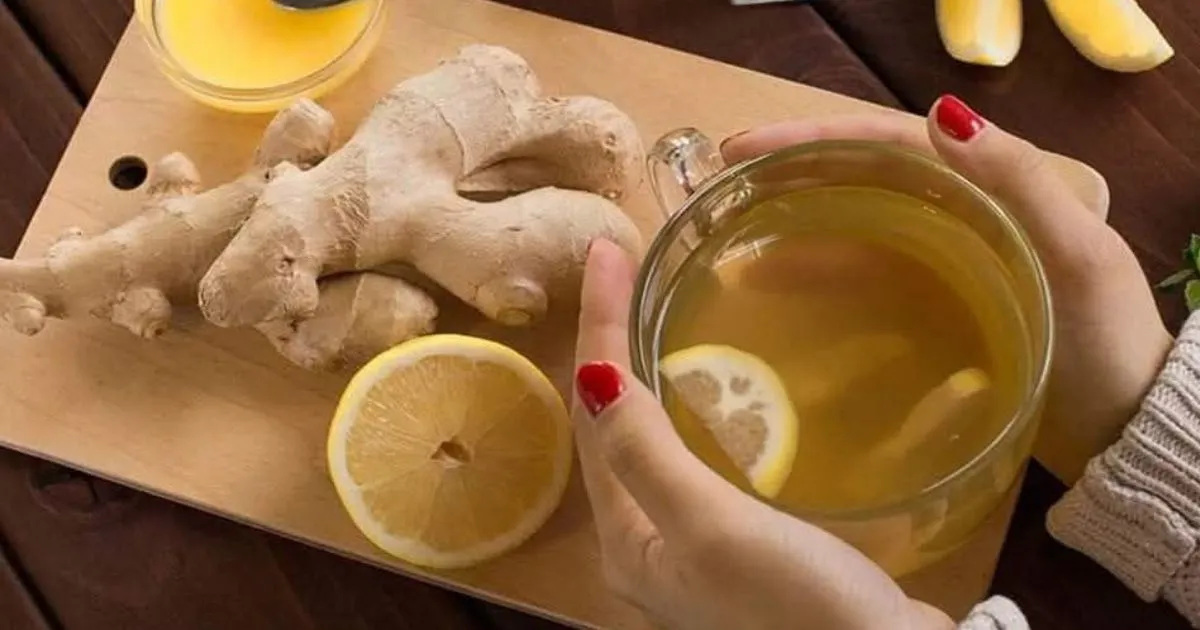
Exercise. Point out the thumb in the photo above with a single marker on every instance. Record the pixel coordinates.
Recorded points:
(1017, 173)
(632, 458)
(637, 441)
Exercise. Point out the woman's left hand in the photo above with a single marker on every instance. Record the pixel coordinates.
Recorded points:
(1110, 341)
(685, 546)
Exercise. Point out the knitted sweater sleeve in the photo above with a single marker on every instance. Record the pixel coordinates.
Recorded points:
(1136, 511)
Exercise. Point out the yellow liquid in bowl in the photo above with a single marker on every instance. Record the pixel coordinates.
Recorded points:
(255, 44)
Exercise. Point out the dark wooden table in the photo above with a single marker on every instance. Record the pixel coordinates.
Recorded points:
(77, 553)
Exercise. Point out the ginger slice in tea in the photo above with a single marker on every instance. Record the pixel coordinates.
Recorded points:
(963, 396)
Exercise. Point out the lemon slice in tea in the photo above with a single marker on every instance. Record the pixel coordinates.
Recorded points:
(742, 402)
(449, 450)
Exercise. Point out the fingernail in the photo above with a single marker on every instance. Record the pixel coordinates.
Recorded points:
(957, 120)
(734, 136)
(599, 385)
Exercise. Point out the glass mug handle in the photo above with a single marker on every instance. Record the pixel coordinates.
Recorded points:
(678, 164)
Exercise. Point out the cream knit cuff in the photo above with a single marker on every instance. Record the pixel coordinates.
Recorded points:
(997, 613)
(1137, 509)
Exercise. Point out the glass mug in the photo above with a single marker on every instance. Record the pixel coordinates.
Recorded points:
(699, 195)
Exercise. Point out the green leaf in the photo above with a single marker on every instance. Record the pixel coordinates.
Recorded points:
(1192, 294)
(1193, 250)
(1176, 279)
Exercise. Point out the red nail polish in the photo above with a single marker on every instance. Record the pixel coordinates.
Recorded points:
(956, 119)
(599, 385)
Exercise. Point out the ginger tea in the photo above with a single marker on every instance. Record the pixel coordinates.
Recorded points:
(892, 330)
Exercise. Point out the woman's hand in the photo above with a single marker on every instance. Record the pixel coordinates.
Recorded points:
(694, 552)
(1111, 341)
(688, 548)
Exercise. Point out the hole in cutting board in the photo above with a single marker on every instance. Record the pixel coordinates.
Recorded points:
(127, 172)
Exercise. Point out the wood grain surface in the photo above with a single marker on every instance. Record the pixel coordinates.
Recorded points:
(37, 115)
(1056, 587)
(215, 419)
(251, 581)
(784, 40)
(17, 605)
(77, 35)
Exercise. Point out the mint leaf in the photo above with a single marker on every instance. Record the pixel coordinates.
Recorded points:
(1193, 251)
(1176, 279)
(1191, 293)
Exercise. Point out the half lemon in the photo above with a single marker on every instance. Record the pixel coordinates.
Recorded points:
(450, 450)
(743, 403)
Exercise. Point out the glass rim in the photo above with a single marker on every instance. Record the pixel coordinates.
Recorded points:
(147, 13)
(642, 358)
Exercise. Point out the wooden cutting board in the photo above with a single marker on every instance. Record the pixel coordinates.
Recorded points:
(215, 419)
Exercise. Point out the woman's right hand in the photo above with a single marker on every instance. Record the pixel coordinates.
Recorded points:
(1111, 341)
(681, 543)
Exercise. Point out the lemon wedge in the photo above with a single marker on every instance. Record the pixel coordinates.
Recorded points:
(742, 402)
(1113, 34)
(449, 450)
(982, 32)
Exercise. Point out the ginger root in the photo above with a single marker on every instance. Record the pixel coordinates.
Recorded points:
(395, 194)
(304, 246)
(359, 315)
(134, 273)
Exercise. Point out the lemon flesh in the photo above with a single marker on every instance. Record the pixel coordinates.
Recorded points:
(1113, 34)
(447, 451)
(742, 402)
(981, 32)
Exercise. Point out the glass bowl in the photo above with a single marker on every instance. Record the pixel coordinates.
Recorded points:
(266, 98)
